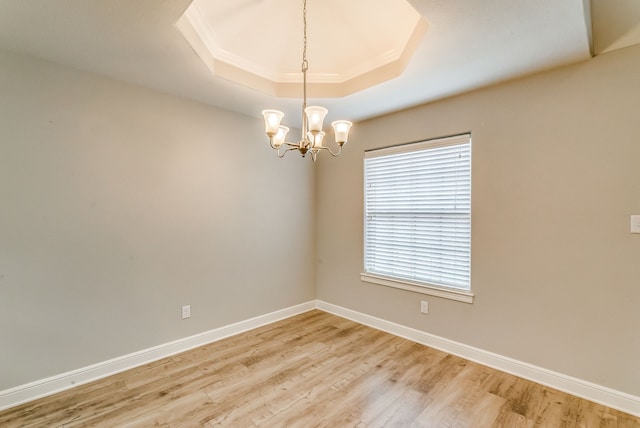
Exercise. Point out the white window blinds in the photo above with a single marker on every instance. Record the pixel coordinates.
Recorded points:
(418, 212)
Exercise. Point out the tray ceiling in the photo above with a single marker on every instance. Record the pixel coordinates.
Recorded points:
(350, 45)
(468, 45)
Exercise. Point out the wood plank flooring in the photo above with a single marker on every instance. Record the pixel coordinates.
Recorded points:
(314, 370)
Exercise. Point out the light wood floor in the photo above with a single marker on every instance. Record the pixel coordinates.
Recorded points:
(314, 370)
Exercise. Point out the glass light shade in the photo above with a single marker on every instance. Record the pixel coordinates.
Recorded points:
(315, 117)
(341, 130)
(280, 136)
(272, 120)
(316, 141)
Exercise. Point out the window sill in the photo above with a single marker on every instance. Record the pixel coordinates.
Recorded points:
(432, 290)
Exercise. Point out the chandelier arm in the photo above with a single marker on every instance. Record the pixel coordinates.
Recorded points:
(334, 154)
(281, 155)
(285, 143)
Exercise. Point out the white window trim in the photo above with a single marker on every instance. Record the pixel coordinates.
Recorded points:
(419, 287)
(465, 296)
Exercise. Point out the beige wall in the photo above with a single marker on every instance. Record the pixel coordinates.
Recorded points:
(556, 175)
(118, 205)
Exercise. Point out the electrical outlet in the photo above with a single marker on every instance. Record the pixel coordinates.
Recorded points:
(186, 312)
(424, 307)
(635, 224)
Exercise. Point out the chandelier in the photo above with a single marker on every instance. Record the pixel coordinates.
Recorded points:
(312, 137)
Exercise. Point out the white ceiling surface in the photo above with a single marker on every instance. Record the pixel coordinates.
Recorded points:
(469, 44)
(356, 51)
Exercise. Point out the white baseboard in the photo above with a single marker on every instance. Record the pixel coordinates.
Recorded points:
(609, 397)
(600, 394)
(51, 385)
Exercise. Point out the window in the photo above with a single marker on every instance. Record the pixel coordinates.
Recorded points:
(417, 225)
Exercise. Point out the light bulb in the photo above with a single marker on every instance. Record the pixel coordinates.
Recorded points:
(341, 130)
(272, 119)
(280, 136)
(315, 117)
(316, 140)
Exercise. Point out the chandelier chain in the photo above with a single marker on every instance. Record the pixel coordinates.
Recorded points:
(305, 64)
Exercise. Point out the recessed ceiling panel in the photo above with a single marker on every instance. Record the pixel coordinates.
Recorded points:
(259, 43)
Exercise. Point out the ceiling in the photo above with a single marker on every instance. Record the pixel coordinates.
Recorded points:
(466, 45)
(348, 51)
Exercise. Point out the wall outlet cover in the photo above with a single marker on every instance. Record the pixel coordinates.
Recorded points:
(186, 311)
(635, 224)
(424, 307)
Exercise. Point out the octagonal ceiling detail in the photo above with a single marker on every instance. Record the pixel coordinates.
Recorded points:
(351, 45)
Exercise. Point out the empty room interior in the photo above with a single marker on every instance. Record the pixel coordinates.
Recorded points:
(456, 245)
